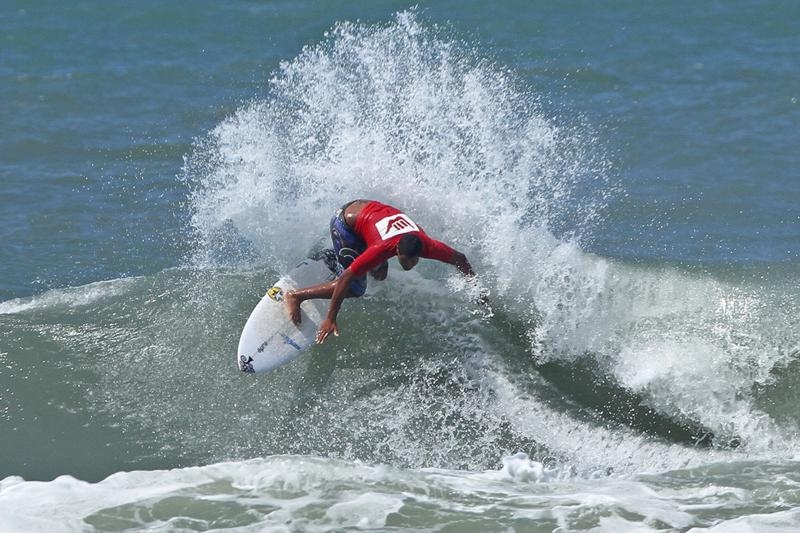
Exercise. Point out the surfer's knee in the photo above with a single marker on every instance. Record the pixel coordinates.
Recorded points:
(358, 287)
(380, 272)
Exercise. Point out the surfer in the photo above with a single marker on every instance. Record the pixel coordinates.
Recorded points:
(365, 235)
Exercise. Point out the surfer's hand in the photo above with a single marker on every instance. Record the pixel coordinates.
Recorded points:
(327, 327)
(483, 299)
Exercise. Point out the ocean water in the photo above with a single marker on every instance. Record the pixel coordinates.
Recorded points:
(622, 175)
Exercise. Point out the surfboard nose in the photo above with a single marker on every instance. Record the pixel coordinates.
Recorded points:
(246, 364)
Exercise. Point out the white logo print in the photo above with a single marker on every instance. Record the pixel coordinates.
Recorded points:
(395, 225)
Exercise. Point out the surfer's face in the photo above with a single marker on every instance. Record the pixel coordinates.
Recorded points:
(408, 261)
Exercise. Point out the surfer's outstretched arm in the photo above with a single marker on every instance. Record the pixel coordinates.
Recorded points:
(461, 263)
(340, 291)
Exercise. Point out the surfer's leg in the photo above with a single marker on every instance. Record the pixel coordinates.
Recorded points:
(347, 246)
(293, 299)
(380, 272)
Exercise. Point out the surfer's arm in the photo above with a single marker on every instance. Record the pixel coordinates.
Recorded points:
(460, 261)
(439, 251)
(328, 325)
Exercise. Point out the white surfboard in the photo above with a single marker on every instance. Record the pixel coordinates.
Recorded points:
(269, 338)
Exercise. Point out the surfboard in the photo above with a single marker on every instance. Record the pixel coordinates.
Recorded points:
(269, 339)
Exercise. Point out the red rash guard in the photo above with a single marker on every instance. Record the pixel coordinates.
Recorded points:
(381, 226)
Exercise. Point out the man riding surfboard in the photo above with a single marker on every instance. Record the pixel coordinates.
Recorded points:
(365, 235)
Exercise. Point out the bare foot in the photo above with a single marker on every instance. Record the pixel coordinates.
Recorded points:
(293, 306)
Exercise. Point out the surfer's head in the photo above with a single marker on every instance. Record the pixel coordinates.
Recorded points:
(408, 249)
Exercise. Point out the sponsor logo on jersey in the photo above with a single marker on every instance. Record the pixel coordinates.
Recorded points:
(395, 225)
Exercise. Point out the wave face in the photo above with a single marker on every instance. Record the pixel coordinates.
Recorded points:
(404, 113)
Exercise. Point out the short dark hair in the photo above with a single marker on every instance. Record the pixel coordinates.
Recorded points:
(409, 245)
